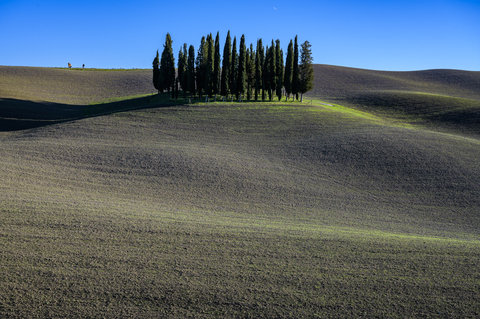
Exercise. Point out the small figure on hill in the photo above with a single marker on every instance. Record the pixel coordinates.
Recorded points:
(83, 66)
(69, 65)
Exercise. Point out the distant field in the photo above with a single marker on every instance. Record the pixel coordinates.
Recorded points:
(72, 86)
(445, 100)
(239, 210)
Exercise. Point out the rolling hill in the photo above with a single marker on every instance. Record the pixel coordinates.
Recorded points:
(368, 209)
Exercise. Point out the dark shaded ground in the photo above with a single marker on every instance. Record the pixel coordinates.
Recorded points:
(19, 115)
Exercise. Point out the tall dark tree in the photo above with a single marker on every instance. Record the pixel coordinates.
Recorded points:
(250, 71)
(278, 69)
(167, 65)
(289, 70)
(263, 63)
(156, 73)
(272, 71)
(295, 74)
(234, 68)
(258, 68)
(226, 66)
(216, 66)
(306, 69)
(209, 66)
(200, 67)
(266, 73)
(177, 81)
(242, 72)
(191, 70)
(182, 68)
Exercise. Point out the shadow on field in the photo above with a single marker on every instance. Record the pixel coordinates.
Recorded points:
(461, 114)
(21, 114)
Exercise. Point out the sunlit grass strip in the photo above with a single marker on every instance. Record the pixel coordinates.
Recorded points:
(296, 228)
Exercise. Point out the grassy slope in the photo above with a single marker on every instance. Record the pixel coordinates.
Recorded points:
(77, 87)
(444, 100)
(257, 211)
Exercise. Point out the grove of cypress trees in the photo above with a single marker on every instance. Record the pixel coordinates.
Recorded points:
(216, 66)
(226, 66)
(233, 69)
(279, 69)
(295, 75)
(258, 68)
(200, 67)
(191, 70)
(306, 69)
(288, 70)
(262, 70)
(167, 65)
(156, 73)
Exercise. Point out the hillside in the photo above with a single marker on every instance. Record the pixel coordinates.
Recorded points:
(445, 100)
(72, 86)
(335, 82)
(238, 210)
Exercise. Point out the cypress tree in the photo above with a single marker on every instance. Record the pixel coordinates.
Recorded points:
(209, 66)
(233, 72)
(182, 67)
(279, 69)
(242, 72)
(289, 70)
(200, 67)
(306, 69)
(216, 66)
(272, 72)
(258, 68)
(226, 66)
(176, 88)
(266, 73)
(167, 65)
(183, 79)
(263, 59)
(191, 70)
(156, 73)
(295, 78)
(250, 71)
(180, 64)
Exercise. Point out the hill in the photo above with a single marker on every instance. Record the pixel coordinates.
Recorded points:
(445, 100)
(237, 210)
(72, 86)
(335, 82)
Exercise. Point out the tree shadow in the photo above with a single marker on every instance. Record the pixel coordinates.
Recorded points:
(18, 115)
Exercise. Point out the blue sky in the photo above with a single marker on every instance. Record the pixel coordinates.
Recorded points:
(382, 35)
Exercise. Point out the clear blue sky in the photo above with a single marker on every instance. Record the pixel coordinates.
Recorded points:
(384, 35)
